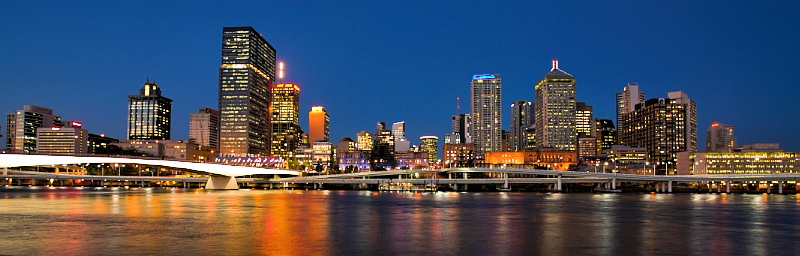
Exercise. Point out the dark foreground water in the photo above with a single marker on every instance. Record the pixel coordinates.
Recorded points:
(70, 221)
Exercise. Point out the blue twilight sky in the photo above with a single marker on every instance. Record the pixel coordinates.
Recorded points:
(371, 61)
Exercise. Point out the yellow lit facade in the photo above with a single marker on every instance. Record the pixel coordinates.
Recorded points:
(560, 160)
(701, 163)
(286, 133)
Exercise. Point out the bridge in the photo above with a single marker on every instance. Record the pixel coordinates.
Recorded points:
(221, 176)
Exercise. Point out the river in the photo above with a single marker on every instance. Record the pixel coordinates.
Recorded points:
(156, 221)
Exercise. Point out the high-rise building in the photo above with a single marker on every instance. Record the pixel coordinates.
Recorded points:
(627, 100)
(462, 126)
(665, 126)
(70, 139)
(584, 123)
(399, 130)
(487, 113)
(522, 117)
(319, 125)
(204, 128)
(365, 141)
(606, 134)
(555, 110)
(719, 136)
(245, 76)
(430, 145)
(285, 120)
(21, 127)
(149, 114)
(380, 126)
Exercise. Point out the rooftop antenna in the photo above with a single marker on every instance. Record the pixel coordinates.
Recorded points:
(458, 105)
(280, 72)
(555, 64)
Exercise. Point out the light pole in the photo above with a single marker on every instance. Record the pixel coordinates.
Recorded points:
(604, 167)
(119, 173)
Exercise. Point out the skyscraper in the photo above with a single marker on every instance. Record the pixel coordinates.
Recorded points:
(719, 136)
(522, 117)
(285, 120)
(399, 130)
(365, 141)
(665, 126)
(584, 123)
(627, 100)
(21, 127)
(462, 125)
(555, 110)
(247, 70)
(149, 114)
(606, 134)
(486, 99)
(318, 124)
(430, 145)
(204, 128)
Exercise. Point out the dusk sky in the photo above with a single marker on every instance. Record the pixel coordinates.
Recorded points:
(371, 61)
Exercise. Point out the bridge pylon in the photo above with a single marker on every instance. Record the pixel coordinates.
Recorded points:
(222, 183)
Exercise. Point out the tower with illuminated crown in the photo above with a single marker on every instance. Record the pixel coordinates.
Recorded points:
(555, 110)
(286, 132)
(487, 124)
(149, 114)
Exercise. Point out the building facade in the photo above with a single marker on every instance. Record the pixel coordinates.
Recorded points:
(204, 128)
(546, 158)
(665, 126)
(430, 145)
(319, 125)
(555, 110)
(245, 76)
(627, 99)
(606, 134)
(522, 117)
(719, 136)
(149, 114)
(724, 163)
(22, 124)
(286, 131)
(462, 126)
(365, 141)
(487, 125)
(70, 139)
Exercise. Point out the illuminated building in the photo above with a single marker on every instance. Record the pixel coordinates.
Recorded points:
(21, 127)
(458, 155)
(98, 144)
(411, 160)
(487, 123)
(365, 141)
(245, 97)
(385, 136)
(584, 123)
(587, 146)
(530, 138)
(285, 120)
(204, 128)
(380, 126)
(399, 130)
(627, 159)
(354, 161)
(555, 110)
(324, 153)
(149, 114)
(70, 139)
(627, 100)
(549, 158)
(711, 163)
(382, 153)
(346, 145)
(402, 145)
(606, 134)
(719, 136)
(319, 125)
(430, 145)
(187, 150)
(665, 126)
(522, 117)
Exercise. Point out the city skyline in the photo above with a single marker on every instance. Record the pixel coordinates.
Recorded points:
(734, 80)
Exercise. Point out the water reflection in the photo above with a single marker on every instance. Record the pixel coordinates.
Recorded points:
(286, 222)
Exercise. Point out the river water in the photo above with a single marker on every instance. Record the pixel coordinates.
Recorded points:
(154, 221)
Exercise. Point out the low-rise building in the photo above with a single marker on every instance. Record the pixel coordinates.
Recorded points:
(545, 158)
(411, 160)
(710, 163)
(187, 150)
(69, 139)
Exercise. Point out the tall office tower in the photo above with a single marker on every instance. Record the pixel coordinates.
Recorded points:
(21, 127)
(462, 124)
(149, 114)
(384, 136)
(605, 133)
(365, 141)
(522, 117)
(70, 139)
(555, 110)
(245, 75)
(380, 126)
(627, 100)
(204, 128)
(430, 145)
(399, 130)
(584, 123)
(665, 126)
(319, 124)
(285, 120)
(487, 114)
(719, 136)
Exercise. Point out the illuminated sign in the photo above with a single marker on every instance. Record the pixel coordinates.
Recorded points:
(76, 124)
(55, 128)
(714, 124)
(484, 77)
